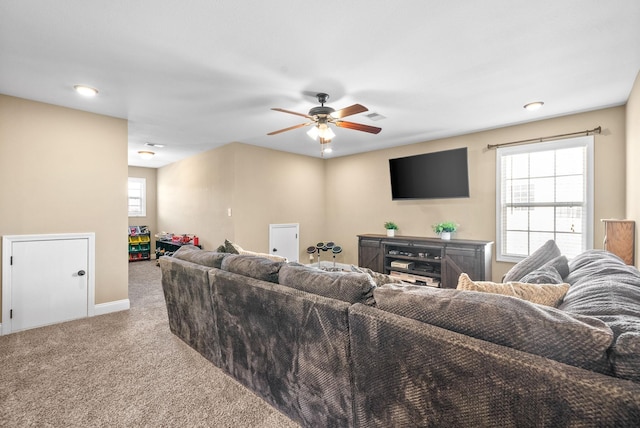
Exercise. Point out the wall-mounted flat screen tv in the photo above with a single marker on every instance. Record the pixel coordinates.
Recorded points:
(431, 175)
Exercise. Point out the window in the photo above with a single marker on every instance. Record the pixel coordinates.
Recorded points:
(544, 191)
(137, 197)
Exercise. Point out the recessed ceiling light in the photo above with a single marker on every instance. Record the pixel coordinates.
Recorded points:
(85, 90)
(154, 145)
(146, 154)
(534, 105)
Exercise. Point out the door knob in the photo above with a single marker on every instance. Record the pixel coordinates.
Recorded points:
(81, 273)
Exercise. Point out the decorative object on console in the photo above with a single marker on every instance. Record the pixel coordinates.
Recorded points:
(445, 229)
(391, 228)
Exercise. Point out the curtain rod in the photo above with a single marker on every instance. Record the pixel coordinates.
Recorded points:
(552, 137)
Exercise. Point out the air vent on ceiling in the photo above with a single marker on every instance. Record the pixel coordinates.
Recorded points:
(375, 116)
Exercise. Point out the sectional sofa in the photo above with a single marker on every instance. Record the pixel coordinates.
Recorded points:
(343, 349)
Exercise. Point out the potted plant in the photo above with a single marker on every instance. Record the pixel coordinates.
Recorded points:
(445, 229)
(391, 228)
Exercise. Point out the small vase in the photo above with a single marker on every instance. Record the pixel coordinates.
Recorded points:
(391, 232)
(445, 235)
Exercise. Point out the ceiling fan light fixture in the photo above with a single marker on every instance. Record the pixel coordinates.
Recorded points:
(313, 132)
(325, 146)
(325, 132)
(146, 155)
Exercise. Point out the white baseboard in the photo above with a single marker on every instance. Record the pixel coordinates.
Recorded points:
(115, 306)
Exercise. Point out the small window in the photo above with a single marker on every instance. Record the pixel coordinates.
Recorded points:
(544, 191)
(137, 197)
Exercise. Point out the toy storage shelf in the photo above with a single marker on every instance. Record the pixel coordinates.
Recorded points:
(139, 243)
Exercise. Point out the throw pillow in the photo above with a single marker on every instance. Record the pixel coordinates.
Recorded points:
(577, 340)
(537, 259)
(542, 294)
(229, 248)
(543, 275)
(560, 264)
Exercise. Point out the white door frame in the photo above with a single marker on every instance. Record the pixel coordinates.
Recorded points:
(7, 242)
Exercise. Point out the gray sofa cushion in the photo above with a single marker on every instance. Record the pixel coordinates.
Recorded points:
(193, 254)
(547, 252)
(351, 287)
(577, 340)
(252, 266)
(602, 286)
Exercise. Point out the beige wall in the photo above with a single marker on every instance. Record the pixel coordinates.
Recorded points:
(65, 171)
(260, 186)
(337, 199)
(150, 220)
(359, 195)
(633, 159)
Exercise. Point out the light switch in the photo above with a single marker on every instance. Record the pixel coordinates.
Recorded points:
(229, 212)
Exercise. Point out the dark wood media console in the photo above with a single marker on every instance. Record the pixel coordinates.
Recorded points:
(431, 261)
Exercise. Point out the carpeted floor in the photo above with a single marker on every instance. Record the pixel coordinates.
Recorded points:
(123, 369)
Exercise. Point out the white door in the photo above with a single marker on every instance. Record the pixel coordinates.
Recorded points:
(284, 241)
(49, 282)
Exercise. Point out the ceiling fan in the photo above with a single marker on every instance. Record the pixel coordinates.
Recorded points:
(322, 116)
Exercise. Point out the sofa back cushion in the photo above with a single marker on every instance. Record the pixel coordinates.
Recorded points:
(602, 286)
(194, 254)
(577, 340)
(351, 287)
(252, 266)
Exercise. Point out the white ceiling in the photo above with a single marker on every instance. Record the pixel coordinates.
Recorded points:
(198, 74)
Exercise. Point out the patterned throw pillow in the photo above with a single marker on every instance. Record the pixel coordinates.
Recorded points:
(537, 259)
(542, 294)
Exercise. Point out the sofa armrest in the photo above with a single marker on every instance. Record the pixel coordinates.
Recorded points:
(189, 306)
(408, 373)
(289, 346)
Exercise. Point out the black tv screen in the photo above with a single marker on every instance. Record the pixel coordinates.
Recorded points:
(431, 175)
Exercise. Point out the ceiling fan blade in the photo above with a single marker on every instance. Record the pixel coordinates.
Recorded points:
(290, 128)
(357, 126)
(348, 111)
(292, 112)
